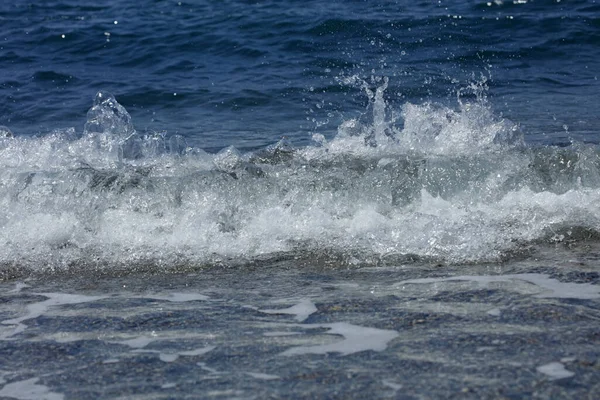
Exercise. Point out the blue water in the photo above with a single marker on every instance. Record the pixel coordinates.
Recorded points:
(245, 73)
(242, 129)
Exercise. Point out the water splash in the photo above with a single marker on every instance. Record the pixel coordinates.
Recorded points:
(107, 116)
(374, 128)
(5, 132)
(453, 185)
(428, 128)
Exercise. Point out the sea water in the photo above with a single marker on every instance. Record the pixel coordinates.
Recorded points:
(299, 199)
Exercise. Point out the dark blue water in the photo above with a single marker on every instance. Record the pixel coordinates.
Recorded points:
(245, 73)
(450, 131)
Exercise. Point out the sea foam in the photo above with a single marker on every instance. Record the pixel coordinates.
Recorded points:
(448, 184)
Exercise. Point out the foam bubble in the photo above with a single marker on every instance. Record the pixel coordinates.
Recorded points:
(261, 376)
(301, 311)
(206, 368)
(495, 312)
(392, 385)
(5, 132)
(197, 352)
(138, 342)
(551, 288)
(555, 370)
(29, 390)
(168, 385)
(356, 339)
(37, 309)
(179, 297)
(169, 357)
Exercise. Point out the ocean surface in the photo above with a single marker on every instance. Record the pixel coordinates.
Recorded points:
(299, 199)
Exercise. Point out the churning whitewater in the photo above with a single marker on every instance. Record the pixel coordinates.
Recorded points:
(452, 185)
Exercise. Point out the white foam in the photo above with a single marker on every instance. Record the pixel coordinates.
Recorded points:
(261, 376)
(559, 289)
(29, 390)
(18, 287)
(207, 368)
(356, 339)
(567, 359)
(277, 333)
(138, 342)
(495, 312)
(555, 370)
(178, 297)
(447, 185)
(169, 357)
(197, 352)
(392, 385)
(68, 337)
(551, 288)
(35, 310)
(301, 311)
(168, 386)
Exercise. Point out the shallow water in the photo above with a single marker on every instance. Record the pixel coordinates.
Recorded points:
(523, 329)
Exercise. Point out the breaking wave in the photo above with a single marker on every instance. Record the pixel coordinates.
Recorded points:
(427, 181)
